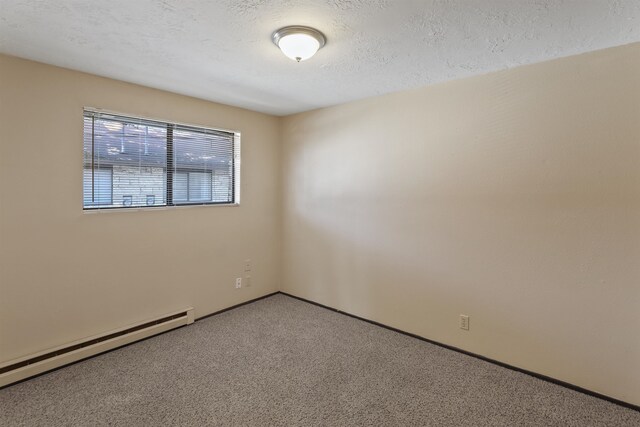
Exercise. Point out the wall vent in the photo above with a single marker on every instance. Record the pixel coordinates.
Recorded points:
(34, 364)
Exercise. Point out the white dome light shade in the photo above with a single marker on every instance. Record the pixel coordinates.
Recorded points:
(298, 43)
(299, 46)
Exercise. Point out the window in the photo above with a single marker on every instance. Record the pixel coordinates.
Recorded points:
(133, 162)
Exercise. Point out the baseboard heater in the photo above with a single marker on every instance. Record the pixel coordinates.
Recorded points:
(34, 364)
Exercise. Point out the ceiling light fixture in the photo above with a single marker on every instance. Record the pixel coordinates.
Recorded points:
(298, 42)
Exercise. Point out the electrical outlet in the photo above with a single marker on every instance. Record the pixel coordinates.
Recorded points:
(247, 281)
(464, 322)
(238, 282)
(247, 265)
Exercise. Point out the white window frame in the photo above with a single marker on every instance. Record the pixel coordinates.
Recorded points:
(236, 165)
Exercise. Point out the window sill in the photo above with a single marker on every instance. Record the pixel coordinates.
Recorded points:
(157, 208)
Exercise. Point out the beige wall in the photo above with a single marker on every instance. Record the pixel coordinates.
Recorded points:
(65, 274)
(512, 197)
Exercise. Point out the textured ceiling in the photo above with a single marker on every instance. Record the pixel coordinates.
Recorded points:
(221, 50)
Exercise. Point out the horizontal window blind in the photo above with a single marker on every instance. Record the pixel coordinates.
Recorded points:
(203, 159)
(134, 162)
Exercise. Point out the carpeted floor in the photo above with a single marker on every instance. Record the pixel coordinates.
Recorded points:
(284, 362)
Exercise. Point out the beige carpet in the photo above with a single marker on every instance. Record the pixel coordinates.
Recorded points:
(284, 362)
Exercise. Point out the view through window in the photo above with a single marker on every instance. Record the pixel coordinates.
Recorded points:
(134, 162)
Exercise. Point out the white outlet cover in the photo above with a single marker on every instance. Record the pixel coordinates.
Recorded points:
(464, 322)
(238, 282)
